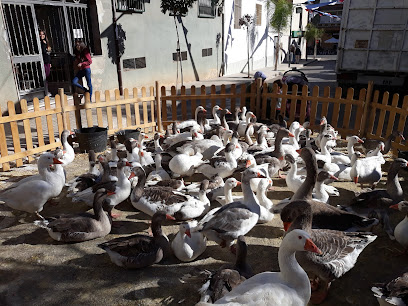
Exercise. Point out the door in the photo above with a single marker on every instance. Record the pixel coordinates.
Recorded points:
(25, 49)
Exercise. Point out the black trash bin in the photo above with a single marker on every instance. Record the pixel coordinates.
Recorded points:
(123, 135)
(93, 138)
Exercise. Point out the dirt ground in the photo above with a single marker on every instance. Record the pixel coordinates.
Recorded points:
(36, 270)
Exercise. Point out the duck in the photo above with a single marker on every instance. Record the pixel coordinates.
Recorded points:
(152, 199)
(188, 246)
(265, 203)
(378, 201)
(184, 164)
(159, 174)
(290, 286)
(139, 251)
(69, 154)
(227, 198)
(228, 276)
(31, 195)
(401, 230)
(227, 223)
(393, 293)
(221, 166)
(371, 144)
(82, 227)
(340, 250)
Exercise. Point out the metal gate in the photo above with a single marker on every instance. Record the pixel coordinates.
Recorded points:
(64, 22)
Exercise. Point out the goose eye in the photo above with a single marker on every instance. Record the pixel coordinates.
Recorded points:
(300, 237)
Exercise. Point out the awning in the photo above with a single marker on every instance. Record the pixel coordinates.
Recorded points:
(332, 41)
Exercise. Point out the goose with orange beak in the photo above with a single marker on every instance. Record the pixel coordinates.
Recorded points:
(188, 245)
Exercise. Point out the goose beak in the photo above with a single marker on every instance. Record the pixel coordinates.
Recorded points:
(281, 158)
(291, 134)
(168, 217)
(132, 175)
(195, 135)
(56, 161)
(248, 163)
(395, 206)
(204, 110)
(109, 193)
(321, 122)
(146, 137)
(229, 113)
(128, 164)
(311, 247)
(188, 233)
(334, 178)
(356, 179)
(260, 175)
(253, 116)
(142, 153)
(71, 133)
(237, 146)
(298, 151)
(286, 225)
(161, 136)
(360, 141)
(238, 183)
(220, 108)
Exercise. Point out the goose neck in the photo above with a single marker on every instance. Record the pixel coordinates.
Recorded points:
(227, 194)
(393, 185)
(249, 198)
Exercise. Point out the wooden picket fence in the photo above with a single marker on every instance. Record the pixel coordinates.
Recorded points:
(31, 132)
(39, 126)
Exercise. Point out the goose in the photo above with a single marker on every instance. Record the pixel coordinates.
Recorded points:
(139, 251)
(393, 293)
(32, 195)
(243, 114)
(367, 170)
(68, 150)
(343, 159)
(377, 151)
(227, 223)
(223, 167)
(265, 203)
(159, 174)
(291, 286)
(278, 151)
(268, 169)
(173, 183)
(371, 144)
(340, 250)
(192, 122)
(82, 227)
(86, 180)
(235, 122)
(320, 190)
(207, 147)
(114, 151)
(243, 124)
(184, 164)
(227, 198)
(379, 200)
(216, 119)
(293, 179)
(325, 153)
(401, 230)
(145, 158)
(228, 276)
(188, 246)
(152, 199)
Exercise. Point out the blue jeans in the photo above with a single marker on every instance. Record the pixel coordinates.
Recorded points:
(80, 74)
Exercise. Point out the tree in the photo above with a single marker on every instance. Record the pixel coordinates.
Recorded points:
(279, 21)
(313, 33)
(246, 22)
(177, 8)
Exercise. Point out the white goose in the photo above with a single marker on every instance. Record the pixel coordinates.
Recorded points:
(192, 122)
(188, 245)
(184, 164)
(291, 286)
(343, 159)
(216, 119)
(377, 151)
(243, 124)
(32, 195)
(159, 174)
(367, 170)
(69, 154)
(223, 167)
(401, 230)
(227, 198)
(265, 203)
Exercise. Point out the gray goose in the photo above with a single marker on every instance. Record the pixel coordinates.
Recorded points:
(228, 276)
(377, 202)
(393, 293)
(139, 251)
(81, 227)
(371, 144)
(86, 180)
(340, 249)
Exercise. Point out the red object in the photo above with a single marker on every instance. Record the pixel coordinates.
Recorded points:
(84, 58)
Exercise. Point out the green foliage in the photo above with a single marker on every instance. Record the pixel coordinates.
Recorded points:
(176, 7)
(312, 32)
(280, 17)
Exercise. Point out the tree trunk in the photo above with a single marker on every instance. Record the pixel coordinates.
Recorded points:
(315, 49)
(248, 48)
(277, 47)
(178, 53)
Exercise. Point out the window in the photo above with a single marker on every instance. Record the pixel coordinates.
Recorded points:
(206, 52)
(237, 13)
(130, 6)
(258, 15)
(134, 63)
(206, 8)
(183, 56)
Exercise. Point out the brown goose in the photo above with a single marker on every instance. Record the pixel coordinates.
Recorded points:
(393, 293)
(228, 276)
(340, 249)
(82, 227)
(139, 251)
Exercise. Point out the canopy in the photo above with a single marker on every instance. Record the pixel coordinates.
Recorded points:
(332, 41)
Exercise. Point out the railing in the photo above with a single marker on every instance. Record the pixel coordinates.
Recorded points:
(34, 131)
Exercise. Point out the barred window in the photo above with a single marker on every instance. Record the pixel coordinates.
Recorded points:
(206, 8)
(237, 13)
(134, 63)
(137, 6)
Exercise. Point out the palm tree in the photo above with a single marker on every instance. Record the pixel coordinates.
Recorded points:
(177, 9)
(279, 21)
(313, 33)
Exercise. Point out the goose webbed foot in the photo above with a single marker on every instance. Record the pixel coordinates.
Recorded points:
(39, 216)
(319, 295)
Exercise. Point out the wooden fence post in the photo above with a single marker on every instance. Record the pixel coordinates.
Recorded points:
(258, 97)
(158, 108)
(64, 118)
(367, 108)
(77, 102)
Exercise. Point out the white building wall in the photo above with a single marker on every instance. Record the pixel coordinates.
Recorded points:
(261, 43)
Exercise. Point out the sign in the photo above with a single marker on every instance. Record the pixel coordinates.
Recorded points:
(78, 33)
(361, 44)
(296, 34)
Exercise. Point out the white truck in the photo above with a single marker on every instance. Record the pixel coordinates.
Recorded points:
(373, 43)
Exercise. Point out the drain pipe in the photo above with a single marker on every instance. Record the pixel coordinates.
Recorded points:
(115, 36)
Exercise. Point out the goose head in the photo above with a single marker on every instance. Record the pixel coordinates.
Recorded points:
(65, 134)
(216, 108)
(395, 134)
(300, 210)
(249, 174)
(298, 240)
(48, 159)
(231, 183)
(290, 159)
(324, 175)
(264, 184)
(185, 227)
(401, 206)
(250, 161)
(248, 116)
(400, 162)
(354, 139)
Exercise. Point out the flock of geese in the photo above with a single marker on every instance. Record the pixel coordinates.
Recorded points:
(321, 243)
